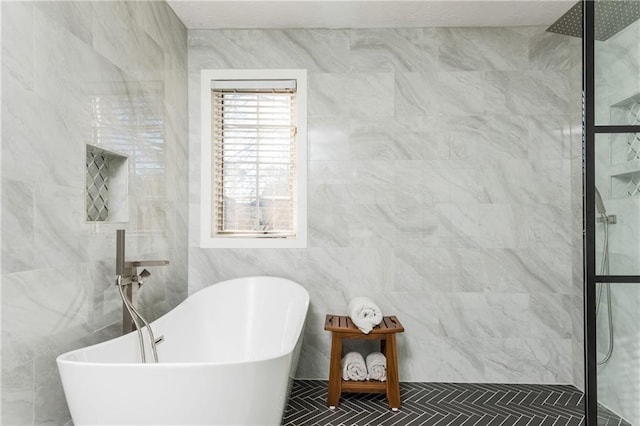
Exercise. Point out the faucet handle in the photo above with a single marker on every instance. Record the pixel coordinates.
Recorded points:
(141, 277)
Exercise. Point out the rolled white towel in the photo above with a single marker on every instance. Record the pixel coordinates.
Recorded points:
(354, 367)
(364, 313)
(377, 366)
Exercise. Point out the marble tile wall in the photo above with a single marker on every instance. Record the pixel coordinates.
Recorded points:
(577, 244)
(443, 172)
(112, 74)
(617, 79)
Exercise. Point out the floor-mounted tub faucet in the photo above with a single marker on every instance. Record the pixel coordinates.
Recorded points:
(129, 281)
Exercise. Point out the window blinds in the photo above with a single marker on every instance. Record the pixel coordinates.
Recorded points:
(254, 134)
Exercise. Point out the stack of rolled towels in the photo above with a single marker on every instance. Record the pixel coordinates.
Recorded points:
(355, 367)
(364, 313)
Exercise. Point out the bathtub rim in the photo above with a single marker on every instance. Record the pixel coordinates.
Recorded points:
(61, 359)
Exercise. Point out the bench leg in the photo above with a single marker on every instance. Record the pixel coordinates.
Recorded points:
(335, 370)
(393, 383)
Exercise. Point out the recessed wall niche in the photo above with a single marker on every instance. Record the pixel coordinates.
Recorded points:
(625, 150)
(106, 186)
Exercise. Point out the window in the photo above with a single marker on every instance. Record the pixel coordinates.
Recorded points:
(253, 158)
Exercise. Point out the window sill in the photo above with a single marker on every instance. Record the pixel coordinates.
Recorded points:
(247, 242)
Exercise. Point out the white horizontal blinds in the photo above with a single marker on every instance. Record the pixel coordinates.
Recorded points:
(254, 135)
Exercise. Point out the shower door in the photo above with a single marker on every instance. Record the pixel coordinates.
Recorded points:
(612, 209)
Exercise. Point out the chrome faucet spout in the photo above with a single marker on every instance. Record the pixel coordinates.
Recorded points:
(143, 263)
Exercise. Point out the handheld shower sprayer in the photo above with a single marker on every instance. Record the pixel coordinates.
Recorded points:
(602, 211)
(605, 219)
(600, 204)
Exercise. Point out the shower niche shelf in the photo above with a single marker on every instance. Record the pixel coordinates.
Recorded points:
(625, 169)
(625, 181)
(106, 186)
(626, 111)
(624, 149)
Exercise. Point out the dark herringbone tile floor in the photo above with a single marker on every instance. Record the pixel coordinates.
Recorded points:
(440, 404)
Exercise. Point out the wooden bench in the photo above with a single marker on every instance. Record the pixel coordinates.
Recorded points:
(341, 327)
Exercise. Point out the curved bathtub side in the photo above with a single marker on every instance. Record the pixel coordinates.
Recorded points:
(197, 394)
(270, 311)
(209, 374)
(249, 318)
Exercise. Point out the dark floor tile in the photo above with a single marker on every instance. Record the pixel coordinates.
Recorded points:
(536, 421)
(574, 421)
(497, 420)
(450, 404)
(447, 420)
(563, 399)
(577, 398)
(548, 421)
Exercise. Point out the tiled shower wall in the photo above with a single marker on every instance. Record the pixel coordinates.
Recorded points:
(443, 183)
(110, 74)
(617, 71)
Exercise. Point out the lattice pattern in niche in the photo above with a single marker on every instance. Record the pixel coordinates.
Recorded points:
(633, 146)
(97, 185)
(633, 186)
(633, 114)
(106, 186)
(633, 140)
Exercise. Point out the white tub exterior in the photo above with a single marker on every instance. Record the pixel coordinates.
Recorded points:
(227, 358)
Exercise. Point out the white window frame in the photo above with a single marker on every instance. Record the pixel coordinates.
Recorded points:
(207, 239)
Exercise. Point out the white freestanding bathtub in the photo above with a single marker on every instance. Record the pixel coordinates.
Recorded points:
(227, 357)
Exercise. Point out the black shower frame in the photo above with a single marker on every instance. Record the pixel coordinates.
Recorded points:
(590, 129)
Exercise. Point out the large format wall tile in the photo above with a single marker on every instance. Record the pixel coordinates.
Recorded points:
(17, 393)
(111, 74)
(17, 48)
(385, 49)
(439, 184)
(472, 49)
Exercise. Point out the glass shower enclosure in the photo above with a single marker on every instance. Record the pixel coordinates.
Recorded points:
(612, 209)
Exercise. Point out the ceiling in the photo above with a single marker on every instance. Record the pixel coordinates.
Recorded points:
(211, 14)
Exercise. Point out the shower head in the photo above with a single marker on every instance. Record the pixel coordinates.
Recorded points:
(600, 204)
(611, 17)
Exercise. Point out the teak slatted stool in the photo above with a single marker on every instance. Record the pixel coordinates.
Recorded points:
(341, 327)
